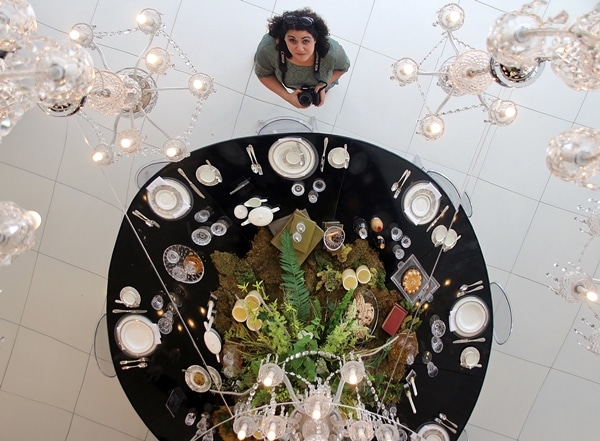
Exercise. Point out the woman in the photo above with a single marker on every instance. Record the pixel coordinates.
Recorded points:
(298, 54)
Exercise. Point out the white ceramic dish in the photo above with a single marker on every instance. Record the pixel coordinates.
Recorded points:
(169, 198)
(215, 376)
(136, 335)
(338, 157)
(208, 175)
(421, 202)
(469, 316)
(130, 297)
(433, 432)
(293, 158)
(260, 216)
(189, 378)
(469, 357)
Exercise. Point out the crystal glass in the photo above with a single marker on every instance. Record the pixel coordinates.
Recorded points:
(450, 17)
(502, 112)
(395, 233)
(405, 71)
(129, 141)
(431, 127)
(298, 188)
(576, 63)
(203, 215)
(176, 149)
(470, 73)
(432, 369)
(18, 23)
(17, 229)
(157, 302)
(149, 21)
(220, 226)
(202, 236)
(438, 327)
(313, 196)
(83, 34)
(165, 326)
(398, 251)
(200, 85)
(436, 344)
(157, 60)
(405, 241)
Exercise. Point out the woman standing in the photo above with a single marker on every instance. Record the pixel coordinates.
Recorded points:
(298, 54)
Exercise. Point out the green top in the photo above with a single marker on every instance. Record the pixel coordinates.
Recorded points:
(266, 63)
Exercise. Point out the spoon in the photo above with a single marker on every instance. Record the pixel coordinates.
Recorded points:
(462, 293)
(445, 418)
(140, 365)
(465, 286)
(447, 426)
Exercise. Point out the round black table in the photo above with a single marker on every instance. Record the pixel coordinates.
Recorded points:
(362, 189)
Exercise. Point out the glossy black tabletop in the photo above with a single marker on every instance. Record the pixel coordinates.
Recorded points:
(362, 189)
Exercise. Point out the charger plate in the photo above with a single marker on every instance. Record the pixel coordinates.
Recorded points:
(469, 316)
(293, 158)
(433, 432)
(136, 335)
(421, 202)
(169, 198)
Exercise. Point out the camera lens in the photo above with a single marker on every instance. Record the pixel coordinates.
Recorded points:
(305, 98)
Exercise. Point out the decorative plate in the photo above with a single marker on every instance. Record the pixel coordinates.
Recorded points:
(421, 202)
(136, 335)
(208, 175)
(293, 158)
(433, 432)
(183, 264)
(469, 316)
(197, 378)
(169, 198)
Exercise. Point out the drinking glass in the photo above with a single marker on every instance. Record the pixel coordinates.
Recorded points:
(157, 302)
(203, 215)
(436, 344)
(405, 241)
(432, 369)
(398, 251)
(395, 233)
(201, 236)
(220, 227)
(165, 326)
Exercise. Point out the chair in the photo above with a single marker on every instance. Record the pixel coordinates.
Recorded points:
(457, 199)
(286, 124)
(102, 349)
(145, 172)
(464, 436)
(503, 320)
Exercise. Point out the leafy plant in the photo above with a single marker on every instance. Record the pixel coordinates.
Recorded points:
(296, 295)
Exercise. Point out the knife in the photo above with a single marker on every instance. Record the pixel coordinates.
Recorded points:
(469, 340)
(138, 311)
(196, 189)
(432, 224)
(325, 142)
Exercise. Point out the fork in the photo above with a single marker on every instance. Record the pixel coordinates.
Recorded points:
(255, 166)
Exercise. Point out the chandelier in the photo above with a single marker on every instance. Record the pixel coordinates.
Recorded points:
(574, 285)
(573, 51)
(17, 229)
(129, 94)
(36, 69)
(317, 413)
(468, 72)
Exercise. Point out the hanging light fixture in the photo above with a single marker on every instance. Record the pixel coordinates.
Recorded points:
(468, 72)
(17, 229)
(130, 94)
(316, 412)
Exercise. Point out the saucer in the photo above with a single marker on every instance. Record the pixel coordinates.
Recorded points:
(293, 158)
(469, 316)
(136, 335)
(421, 202)
(169, 198)
(469, 357)
(198, 373)
(130, 297)
(208, 175)
(433, 432)
(338, 157)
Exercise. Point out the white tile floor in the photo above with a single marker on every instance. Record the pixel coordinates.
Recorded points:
(540, 385)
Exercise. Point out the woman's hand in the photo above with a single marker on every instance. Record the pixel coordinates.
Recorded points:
(292, 98)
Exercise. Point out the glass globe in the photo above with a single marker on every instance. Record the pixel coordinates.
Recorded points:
(157, 60)
(103, 155)
(83, 34)
(244, 426)
(361, 431)
(470, 72)
(576, 63)
(431, 127)
(512, 40)
(200, 85)
(405, 71)
(574, 155)
(17, 22)
(17, 229)
(149, 21)
(451, 17)
(107, 96)
(130, 141)
(502, 112)
(273, 426)
(176, 149)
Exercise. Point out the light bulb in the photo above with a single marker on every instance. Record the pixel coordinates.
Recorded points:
(268, 380)
(153, 59)
(141, 19)
(352, 378)
(172, 152)
(198, 84)
(74, 35)
(242, 432)
(36, 218)
(434, 128)
(408, 69)
(126, 143)
(592, 296)
(453, 17)
(316, 414)
(271, 433)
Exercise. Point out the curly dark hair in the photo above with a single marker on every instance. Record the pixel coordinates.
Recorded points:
(319, 30)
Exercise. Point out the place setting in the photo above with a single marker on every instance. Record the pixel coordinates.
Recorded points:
(169, 198)
(208, 174)
(293, 158)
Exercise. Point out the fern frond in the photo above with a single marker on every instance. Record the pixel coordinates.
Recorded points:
(295, 291)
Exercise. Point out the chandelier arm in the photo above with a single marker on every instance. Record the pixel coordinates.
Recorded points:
(101, 55)
(524, 34)
(139, 60)
(443, 103)
(115, 128)
(153, 123)
(453, 43)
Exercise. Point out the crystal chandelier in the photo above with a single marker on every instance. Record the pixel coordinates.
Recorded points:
(468, 72)
(316, 413)
(17, 229)
(36, 69)
(130, 94)
(573, 51)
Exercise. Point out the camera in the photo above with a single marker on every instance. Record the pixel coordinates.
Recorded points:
(308, 96)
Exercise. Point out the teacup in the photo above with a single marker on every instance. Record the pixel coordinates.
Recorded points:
(130, 297)
(239, 311)
(349, 279)
(470, 357)
(338, 156)
(207, 174)
(450, 240)
(363, 274)
(439, 235)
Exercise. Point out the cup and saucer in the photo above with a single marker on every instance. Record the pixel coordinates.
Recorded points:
(469, 357)
(208, 174)
(338, 157)
(130, 297)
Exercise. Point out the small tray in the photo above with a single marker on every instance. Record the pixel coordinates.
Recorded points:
(424, 290)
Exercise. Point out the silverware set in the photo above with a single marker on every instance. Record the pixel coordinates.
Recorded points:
(146, 219)
(467, 289)
(134, 366)
(123, 311)
(397, 186)
(444, 421)
(469, 340)
(254, 166)
(137, 360)
(189, 181)
(325, 142)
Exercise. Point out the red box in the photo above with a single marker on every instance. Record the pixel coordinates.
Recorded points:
(394, 319)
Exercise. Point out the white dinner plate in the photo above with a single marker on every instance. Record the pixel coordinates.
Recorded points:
(433, 432)
(136, 335)
(293, 158)
(208, 175)
(189, 378)
(169, 198)
(469, 316)
(421, 202)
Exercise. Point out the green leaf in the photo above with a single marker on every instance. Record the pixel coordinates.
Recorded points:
(294, 288)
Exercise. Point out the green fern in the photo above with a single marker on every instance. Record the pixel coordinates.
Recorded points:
(295, 291)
